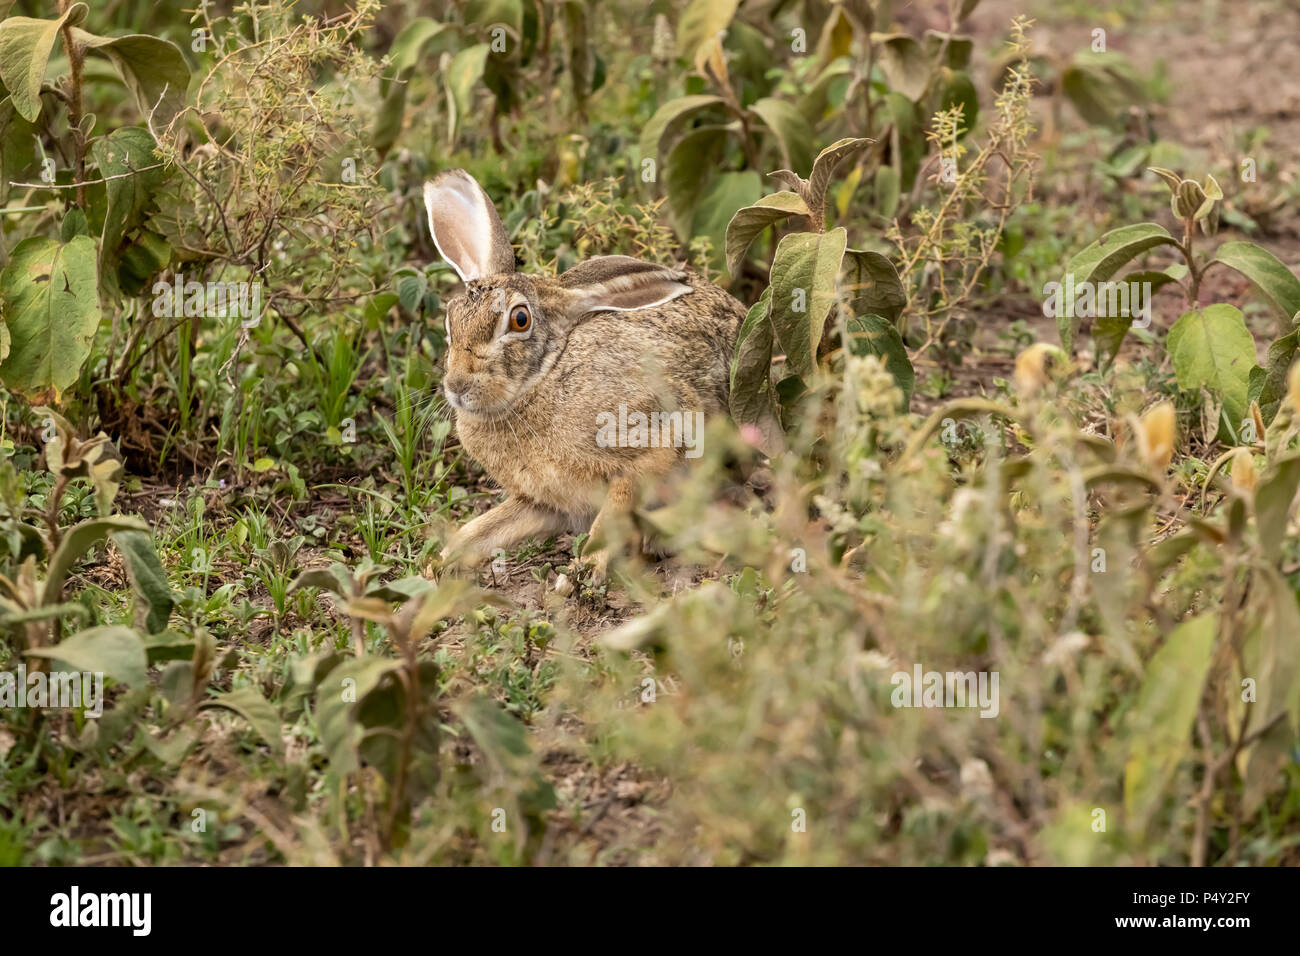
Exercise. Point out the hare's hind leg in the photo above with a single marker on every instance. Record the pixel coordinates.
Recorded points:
(512, 521)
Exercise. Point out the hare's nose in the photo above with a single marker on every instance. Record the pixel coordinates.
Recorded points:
(455, 382)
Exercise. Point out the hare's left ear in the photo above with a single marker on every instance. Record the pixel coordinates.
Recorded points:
(621, 284)
(466, 228)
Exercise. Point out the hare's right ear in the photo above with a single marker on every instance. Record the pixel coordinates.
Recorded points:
(466, 228)
(621, 284)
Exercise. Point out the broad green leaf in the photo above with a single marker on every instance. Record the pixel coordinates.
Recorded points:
(17, 147)
(885, 187)
(1270, 658)
(804, 275)
(1115, 249)
(1273, 500)
(25, 45)
(700, 22)
(748, 222)
(1102, 87)
(871, 286)
(686, 175)
(154, 598)
(904, 63)
(792, 131)
(875, 335)
(1268, 385)
(169, 646)
(338, 698)
(254, 708)
(716, 207)
(460, 77)
(49, 298)
(958, 87)
(1212, 348)
(124, 157)
(408, 46)
(750, 400)
(1101, 260)
(959, 48)
(79, 539)
(1160, 725)
(153, 70)
(1278, 283)
(116, 652)
(668, 119)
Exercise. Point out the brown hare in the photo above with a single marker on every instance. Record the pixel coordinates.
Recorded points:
(570, 389)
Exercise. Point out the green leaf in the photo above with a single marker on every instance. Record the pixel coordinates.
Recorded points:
(1161, 722)
(25, 46)
(123, 157)
(1269, 656)
(685, 179)
(700, 22)
(668, 119)
(1102, 87)
(116, 652)
(17, 147)
(750, 399)
(408, 46)
(904, 63)
(338, 697)
(1212, 348)
(717, 206)
(1268, 385)
(1101, 260)
(875, 335)
(1273, 500)
(153, 70)
(76, 541)
(823, 168)
(792, 131)
(254, 708)
(49, 297)
(886, 192)
(1265, 270)
(959, 88)
(804, 275)
(748, 222)
(460, 77)
(871, 285)
(154, 595)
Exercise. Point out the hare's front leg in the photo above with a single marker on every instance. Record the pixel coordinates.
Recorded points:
(617, 510)
(510, 522)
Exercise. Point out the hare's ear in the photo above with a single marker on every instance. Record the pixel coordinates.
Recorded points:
(621, 284)
(466, 228)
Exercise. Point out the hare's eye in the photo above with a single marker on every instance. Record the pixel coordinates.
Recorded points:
(520, 319)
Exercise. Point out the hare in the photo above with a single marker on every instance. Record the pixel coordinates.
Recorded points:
(554, 379)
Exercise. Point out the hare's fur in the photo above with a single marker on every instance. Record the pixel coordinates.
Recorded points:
(610, 332)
